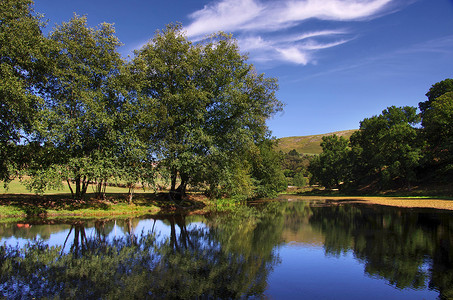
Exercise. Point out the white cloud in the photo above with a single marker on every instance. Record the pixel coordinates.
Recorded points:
(253, 43)
(296, 50)
(294, 55)
(339, 10)
(313, 45)
(320, 33)
(262, 27)
(227, 15)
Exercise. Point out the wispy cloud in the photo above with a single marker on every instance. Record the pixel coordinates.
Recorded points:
(443, 45)
(438, 48)
(266, 28)
(227, 15)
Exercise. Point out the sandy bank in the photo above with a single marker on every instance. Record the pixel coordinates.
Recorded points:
(389, 201)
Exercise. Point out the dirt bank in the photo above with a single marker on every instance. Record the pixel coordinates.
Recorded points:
(389, 201)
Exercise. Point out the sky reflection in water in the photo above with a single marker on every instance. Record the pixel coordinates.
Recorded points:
(323, 251)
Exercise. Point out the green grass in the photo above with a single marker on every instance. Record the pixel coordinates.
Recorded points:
(18, 202)
(26, 205)
(10, 211)
(18, 187)
(107, 210)
(310, 144)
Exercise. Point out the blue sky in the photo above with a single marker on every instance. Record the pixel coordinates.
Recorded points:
(337, 61)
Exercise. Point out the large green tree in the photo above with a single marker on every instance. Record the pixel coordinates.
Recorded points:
(437, 90)
(80, 118)
(437, 123)
(388, 146)
(23, 65)
(438, 130)
(212, 105)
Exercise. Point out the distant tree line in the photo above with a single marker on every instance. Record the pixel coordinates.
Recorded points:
(398, 148)
(73, 110)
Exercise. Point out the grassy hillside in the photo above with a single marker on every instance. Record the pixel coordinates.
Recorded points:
(310, 144)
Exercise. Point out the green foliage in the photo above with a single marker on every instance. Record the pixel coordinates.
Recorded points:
(258, 175)
(294, 163)
(332, 166)
(23, 64)
(191, 265)
(234, 182)
(80, 119)
(300, 180)
(267, 170)
(388, 146)
(438, 128)
(437, 90)
(212, 107)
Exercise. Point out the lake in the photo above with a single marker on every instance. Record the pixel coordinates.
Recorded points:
(286, 249)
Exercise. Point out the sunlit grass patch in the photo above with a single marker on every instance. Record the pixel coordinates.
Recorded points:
(11, 211)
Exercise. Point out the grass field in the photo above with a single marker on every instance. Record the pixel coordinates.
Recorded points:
(17, 187)
(18, 202)
(310, 144)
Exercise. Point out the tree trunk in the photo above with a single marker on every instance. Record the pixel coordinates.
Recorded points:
(182, 188)
(104, 188)
(84, 187)
(174, 175)
(177, 194)
(77, 182)
(131, 192)
(100, 189)
(70, 188)
(81, 187)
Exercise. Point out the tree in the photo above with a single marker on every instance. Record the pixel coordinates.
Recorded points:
(437, 90)
(295, 163)
(300, 180)
(438, 129)
(80, 117)
(388, 145)
(23, 65)
(267, 170)
(332, 166)
(212, 105)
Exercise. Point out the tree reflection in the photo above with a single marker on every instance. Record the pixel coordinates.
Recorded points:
(232, 255)
(192, 263)
(408, 248)
(80, 239)
(30, 229)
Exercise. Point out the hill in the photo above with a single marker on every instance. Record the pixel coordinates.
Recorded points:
(310, 144)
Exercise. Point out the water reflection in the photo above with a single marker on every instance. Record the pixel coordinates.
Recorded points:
(310, 249)
(189, 263)
(410, 249)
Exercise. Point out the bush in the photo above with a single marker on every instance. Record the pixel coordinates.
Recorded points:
(299, 180)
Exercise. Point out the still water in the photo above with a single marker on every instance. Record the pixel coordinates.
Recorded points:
(287, 249)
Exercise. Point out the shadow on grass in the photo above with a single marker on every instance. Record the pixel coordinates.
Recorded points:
(192, 202)
(39, 205)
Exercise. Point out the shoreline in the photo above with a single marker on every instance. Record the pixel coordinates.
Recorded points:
(153, 208)
(407, 202)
